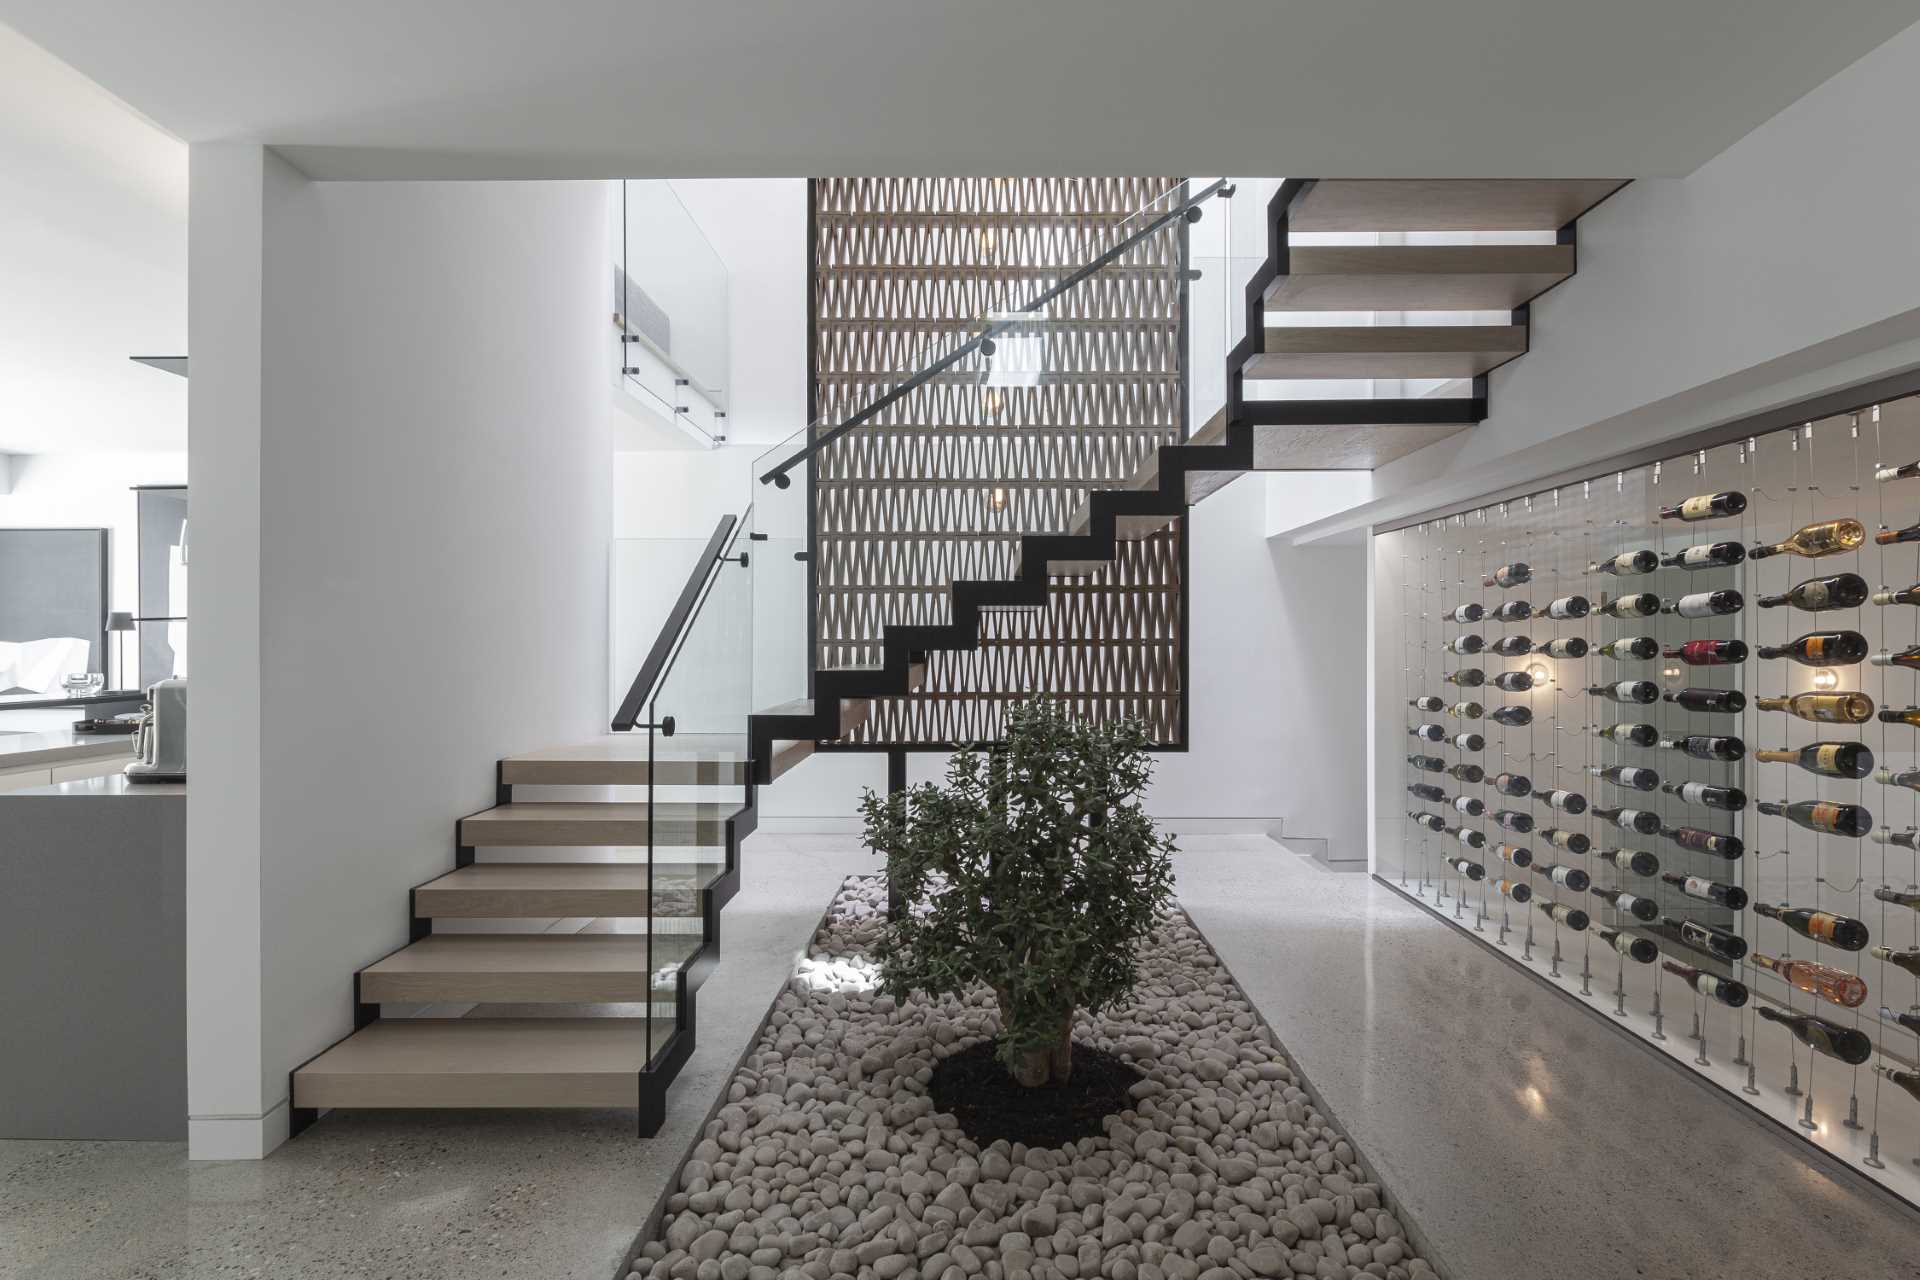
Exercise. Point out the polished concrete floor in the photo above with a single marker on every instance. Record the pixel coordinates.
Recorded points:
(1523, 1137)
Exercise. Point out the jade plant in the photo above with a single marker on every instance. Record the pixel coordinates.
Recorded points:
(1033, 871)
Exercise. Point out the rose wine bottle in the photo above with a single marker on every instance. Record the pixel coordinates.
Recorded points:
(1571, 841)
(1466, 644)
(1517, 717)
(1908, 1080)
(1633, 735)
(1822, 815)
(1623, 775)
(1725, 990)
(1634, 905)
(1466, 677)
(1432, 764)
(1729, 847)
(1709, 653)
(1631, 649)
(1471, 870)
(1728, 946)
(1637, 820)
(1627, 564)
(1431, 821)
(1722, 701)
(1514, 820)
(1708, 555)
(1467, 772)
(1572, 879)
(1634, 691)
(1427, 791)
(1630, 945)
(1730, 896)
(1469, 805)
(1467, 836)
(1706, 746)
(1638, 861)
(1822, 708)
(1566, 607)
(1426, 702)
(1469, 741)
(1898, 898)
(1707, 506)
(1512, 611)
(1908, 959)
(1821, 649)
(1565, 801)
(1732, 799)
(1843, 932)
(1850, 1046)
(1513, 889)
(1909, 839)
(1643, 604)
(1828, 759)
(1513, 681)
(1517, 855)
(1468, 612)
(1508, 575)
(1511, 646)
(1468, 710)
(1823, 980)
(1840, 591)
(1560, 913)
(1706, 604)
(1429, 732)
(1888, 537)
(1571, 647)
(1512, 784)
(1826, 538)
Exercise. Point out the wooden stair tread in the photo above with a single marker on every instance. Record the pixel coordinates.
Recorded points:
(483, 1062)
(853, 711)
(602, 967)
(1343, 448)
(1494, 277)
(1447, 204)
(620, 759)
(523, 890)
(1147, 476)
(1386, 351)
(586, 823)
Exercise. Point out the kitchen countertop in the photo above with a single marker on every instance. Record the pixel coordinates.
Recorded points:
(59, 746)
(113, 784)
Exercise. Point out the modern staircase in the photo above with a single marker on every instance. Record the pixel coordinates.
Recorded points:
(626, 933)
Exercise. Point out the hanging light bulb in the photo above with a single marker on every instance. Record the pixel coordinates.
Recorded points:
(997, 499)
(992, 404)
(1826, 678)
(1540, 673)
(1671, 673)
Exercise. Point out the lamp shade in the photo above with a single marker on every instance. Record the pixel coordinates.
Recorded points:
(119, 622)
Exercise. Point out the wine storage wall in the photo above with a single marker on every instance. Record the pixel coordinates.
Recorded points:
(1819, 471)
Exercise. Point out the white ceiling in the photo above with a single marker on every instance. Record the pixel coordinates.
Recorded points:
(93, 265)
(1326, 88)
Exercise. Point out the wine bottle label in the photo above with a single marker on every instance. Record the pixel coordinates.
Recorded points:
(1814, 595)
(1629, 817)
(1693, 557)
(1697, 508)
(1826, 756)
(1705, 984)
(1698, 887)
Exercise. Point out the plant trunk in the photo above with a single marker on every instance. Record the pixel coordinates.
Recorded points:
(1049, 1064)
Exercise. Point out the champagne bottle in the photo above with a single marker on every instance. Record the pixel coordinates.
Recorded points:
(1732, 799)
(1706, 604)
(1468, 710)
(1908, 778)
(1725, 990)
(1571, 647)
(1843, 932)
(1508, 575)
(1564, 801)
(1572, 879)
(1560, 913)
(1426, 702)
(1728, 946)
(1431, 821)
(1905, 472)
(1643, 604)
(1636, 691)
(1908, 959)
(1730, 896)
(1513, 681)
(1466, 772)
(1429, 732)
(1706, 506)
(1513, 889)
(1850, 1046)
(1513, 611)
(1432, 764)
(1638, 820)
(1638, 861)
(1840, 591)
(1512, 784)
(1470, 869)
(1905, 595)
(1469, 742)
(1630, 945)
(1723, 701)
(1466, 677)
(1566, 607)
(1633, 735)
(1823, 708)
(1706, 746)
(1709, 653)
(1517, 855)
(1468, 612)
(1622, 775)
(1908, 1080)
(1908, 657)
(1898, 898)
(1708, 555)
(1517, 717)
(1627, 564)
(1823, 980)
(1888, 537)
(1633, 904)
(1729, 847)
(1631, 648)
(1467, 836)
(1821, 649)
(1467, 644)
(1511, 646)
(1905, 839)
(1822, 815)
(1826, 538)
(1472, 806)
(1427, 791)
(1514, 820)
(1571, 841)
(1901, 715)
(1828, 759)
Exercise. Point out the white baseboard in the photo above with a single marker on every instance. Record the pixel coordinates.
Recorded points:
(236, 1137)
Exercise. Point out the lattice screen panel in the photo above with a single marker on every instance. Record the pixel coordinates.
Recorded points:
(942, 483)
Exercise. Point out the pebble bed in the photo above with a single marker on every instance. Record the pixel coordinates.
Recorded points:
(828, 1162)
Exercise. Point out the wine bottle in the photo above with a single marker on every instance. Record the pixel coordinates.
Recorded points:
(1468, 710)
(1622, 775)
(1467, 836)
(1826, 538)
(1730, 896)
(1643, 604)
(1908, 959)
(1706, 604)
(1905, 595)
(1511, 646)
(1633, 904)
(1633, 735)
(1723, 701)
(1431, 821)
(1908, 778)
(1513, 611)
(1630, 945)
(1901, 715)
(1823, 980)
(1513, 889)
(1512, 784)
(1466, 677)
(1517, 717)
(1828, 759)
(1427, 791)
(1638, 861)
(1911, 1022)
(1571, 647)
(1908, 657)
(1700, 841)
(1897, 897)
(1469, 742)
(1472, 806)
(1514, 820)
(1468, 612)
(1638, 820)
(1888, 537)
(1905, 839)
(1706, 746)
(1518, 855)
(1708, 555)
(1471, 870)
(1725, 990)
(1429, 732)
(1843, 932)
(1728, 946)
(1426, 702)
(1627, 564)
(1850, 1046)
(1823, 708)
(1508, 575)
(1513, 681)
(1706, 506)
(1908, 1080)
(1637, 691)
(1732, 799)
(1840, 591)
(1560, 913)
(1467, 644)
(1564, 801)
(1709, 653)
(1466, 772)
(1572, 879)
(1821, 649)
(1571, 841)
(1822, 815)
(1631, 648)
(1905, 472)
(1564, 608)
(1432, 764)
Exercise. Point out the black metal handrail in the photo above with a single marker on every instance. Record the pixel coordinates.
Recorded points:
(1188, 208)
(685, 606)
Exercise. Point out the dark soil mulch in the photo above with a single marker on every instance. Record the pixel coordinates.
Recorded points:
(975, 1088)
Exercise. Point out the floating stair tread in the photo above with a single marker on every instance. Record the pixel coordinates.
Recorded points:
(1147, 476)
(475, 1062)
(1386, 351)
(620, 759)
(537, 890)
(600, 967)
(1343, 448)
(853, 711)
(1494, 277)
(624, 823)
(1447, 204)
